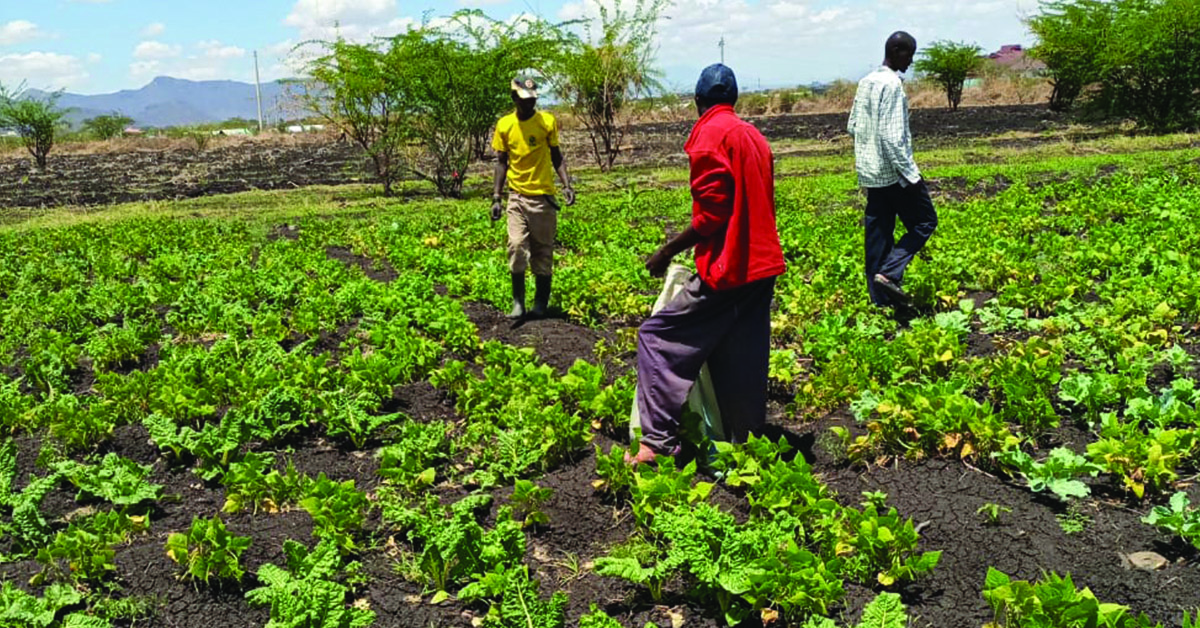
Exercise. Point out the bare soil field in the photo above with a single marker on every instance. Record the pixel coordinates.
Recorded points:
(143, 175)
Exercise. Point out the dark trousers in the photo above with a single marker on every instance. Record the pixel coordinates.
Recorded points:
(884, 255)
(728, 329)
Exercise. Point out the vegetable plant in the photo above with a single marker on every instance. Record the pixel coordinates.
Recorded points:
(528, 499)
(115, 479)
(1177, 518)
(208, 551)
(308, 592)
(1052, 601)
(992, 511)
(1056, 474)
(338, 510)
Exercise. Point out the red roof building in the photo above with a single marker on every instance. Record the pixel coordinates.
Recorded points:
(1015, 57)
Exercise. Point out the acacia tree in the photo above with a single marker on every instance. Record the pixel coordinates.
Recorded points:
(108, 126)
(1134, 58)
(499, 50)
(949, 64)
(457, 77)
(424, 101)
(602, 72)
(360, 90)
(36, 120)
(1071, 36)
(1151, 63)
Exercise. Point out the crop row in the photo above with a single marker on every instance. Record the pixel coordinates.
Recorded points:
(1069, 303)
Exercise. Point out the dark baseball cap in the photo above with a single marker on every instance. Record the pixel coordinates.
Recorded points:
(524, 86)
(717, 84)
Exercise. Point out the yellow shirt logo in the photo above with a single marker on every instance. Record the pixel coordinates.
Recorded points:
(528, 143)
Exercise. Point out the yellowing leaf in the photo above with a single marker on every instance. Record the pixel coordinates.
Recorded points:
(947, 356)
(967, 450)
(886, 579)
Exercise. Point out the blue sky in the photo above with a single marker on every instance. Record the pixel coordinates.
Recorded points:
(98, 46)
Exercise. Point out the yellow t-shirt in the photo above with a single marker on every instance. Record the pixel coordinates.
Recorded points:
(530, 168)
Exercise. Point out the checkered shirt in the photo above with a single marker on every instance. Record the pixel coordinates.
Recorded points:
(883, 150)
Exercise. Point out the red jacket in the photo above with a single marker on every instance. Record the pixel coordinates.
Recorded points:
(733, 201)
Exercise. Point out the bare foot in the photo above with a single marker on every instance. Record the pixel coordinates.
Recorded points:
(645, 455)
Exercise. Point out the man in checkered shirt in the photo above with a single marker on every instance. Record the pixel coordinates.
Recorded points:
(884, 159)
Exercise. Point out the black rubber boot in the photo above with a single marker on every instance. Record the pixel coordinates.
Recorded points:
(518, 290)
(541, 296)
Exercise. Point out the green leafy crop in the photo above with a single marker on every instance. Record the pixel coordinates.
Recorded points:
(115, 479)
(1052, 601)
(338, 510)
(409, 464)
(1177, 518)
(252, 483)
(24, 523)
(308, 593)
(208, 550)
(19, 609)
(528, 499)
(455, 550)
(1056, 474)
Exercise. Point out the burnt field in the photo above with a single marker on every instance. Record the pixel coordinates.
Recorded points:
(146, 175)
(178, 173)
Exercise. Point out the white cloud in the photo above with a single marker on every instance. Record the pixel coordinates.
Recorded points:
(206, 60)
(214, 49)
(155, 50)
(145, 69)
(94, 57)
(43, 70)
(154, 29)
(19, 31)
(789, 42)
(356, 20)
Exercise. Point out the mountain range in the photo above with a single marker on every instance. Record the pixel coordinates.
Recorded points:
(167, 101)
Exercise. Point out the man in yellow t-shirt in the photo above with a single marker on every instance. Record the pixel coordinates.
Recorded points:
(527, 156)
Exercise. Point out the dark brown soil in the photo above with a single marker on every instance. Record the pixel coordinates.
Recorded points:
(421, 402)
(379, 270)
(942, 497)
(957, 188)
(557, 341)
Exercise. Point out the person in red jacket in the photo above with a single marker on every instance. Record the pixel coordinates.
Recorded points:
(723, 315)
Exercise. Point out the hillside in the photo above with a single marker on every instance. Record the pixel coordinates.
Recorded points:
(169, 101)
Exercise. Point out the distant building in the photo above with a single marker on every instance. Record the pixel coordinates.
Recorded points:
(1016, 58)
(305, 128)
(133, 131)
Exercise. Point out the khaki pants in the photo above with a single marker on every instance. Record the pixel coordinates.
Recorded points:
(532, 224)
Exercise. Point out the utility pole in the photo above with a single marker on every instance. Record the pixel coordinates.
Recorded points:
(258, 92)
(721, 44)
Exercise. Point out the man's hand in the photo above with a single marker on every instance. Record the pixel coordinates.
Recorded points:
(569, 196)
(659, 262)
(497, 210)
